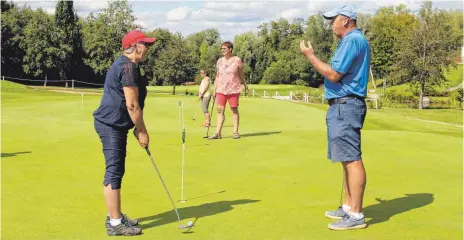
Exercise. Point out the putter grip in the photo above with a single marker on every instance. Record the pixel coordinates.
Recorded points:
(148, 151)
(135, 135)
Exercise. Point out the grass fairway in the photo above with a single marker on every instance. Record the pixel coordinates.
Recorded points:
(274, 183)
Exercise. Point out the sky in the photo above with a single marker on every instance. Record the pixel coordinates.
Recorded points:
(229, 17)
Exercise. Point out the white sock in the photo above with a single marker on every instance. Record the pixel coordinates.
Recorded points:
(115, 221)
(357, 216)
(346, 208)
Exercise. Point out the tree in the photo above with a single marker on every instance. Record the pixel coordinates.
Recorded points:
(208, 58)
(278, 73)
(66, 22)
(264, 55)
(103, 33)
(243, 48)
(425, 52)
(204, 47)
(320, 34)
(43, 48)
(7, 5)
(175, 64)
(387, 28)
(14, 21)
(149, 67)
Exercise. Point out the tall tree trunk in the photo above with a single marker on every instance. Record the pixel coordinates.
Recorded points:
(421, 97)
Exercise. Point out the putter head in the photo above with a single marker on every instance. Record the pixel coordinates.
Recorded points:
(188, 225)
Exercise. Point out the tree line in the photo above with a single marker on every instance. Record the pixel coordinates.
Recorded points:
(413, 47)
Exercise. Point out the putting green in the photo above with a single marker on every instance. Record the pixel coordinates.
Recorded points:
(273, 183)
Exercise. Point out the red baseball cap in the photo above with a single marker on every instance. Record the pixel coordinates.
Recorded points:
(134, 37)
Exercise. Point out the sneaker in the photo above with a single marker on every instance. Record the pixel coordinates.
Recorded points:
(236, 135)
(215, 136)
(337, 214)
(124, 219)
(123, 229)
(348, 222)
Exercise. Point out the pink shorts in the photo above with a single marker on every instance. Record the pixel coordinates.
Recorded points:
(221, 99)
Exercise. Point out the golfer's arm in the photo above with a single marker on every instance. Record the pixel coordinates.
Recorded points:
(324, 69)
(241, 73)
(216, 81)
(135, 112)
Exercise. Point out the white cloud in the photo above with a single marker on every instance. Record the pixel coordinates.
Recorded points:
(236, 6)
(89, 6)
(49, 10)
(37, 4)
(150, 20)
(291, 14)
(229, 17)
(178, 14)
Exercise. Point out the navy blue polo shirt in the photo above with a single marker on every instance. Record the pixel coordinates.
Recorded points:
(352, 59)
(112, 110)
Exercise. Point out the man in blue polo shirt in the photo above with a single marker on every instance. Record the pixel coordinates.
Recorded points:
(345, 84)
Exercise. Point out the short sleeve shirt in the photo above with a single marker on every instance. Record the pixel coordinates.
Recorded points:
(228, 81)
(112, 110)
(352, 59)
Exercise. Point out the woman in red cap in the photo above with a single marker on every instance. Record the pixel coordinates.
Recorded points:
(121, 109)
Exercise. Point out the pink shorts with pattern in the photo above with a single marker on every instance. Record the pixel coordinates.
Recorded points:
(222, 99)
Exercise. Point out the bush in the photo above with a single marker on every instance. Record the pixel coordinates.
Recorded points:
(408, 100)
(301, 82)
(442, 102)
(399, 99)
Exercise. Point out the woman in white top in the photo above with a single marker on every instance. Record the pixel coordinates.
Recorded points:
(205, 96)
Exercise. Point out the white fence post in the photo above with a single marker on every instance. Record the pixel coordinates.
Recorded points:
(264, 94)
(72, 84)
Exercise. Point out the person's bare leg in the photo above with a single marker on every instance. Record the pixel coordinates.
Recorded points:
(347, 200)
(207, 119)
(356, 184)
(236, 118)
(113, 201)
(220, 120)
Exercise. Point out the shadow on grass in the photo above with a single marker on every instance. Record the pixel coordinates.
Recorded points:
(13, 154)
(255, 134)
(204, 210)
(386, 209)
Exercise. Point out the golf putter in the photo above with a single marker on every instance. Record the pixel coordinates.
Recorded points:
(183, 157)
(212, 109)
(181, 226)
